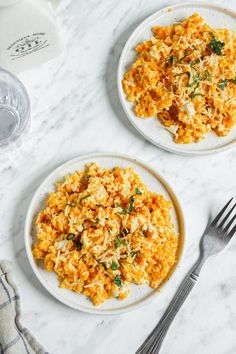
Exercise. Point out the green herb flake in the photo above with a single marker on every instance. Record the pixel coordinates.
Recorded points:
(207, 75)
(120, 242)
(114, 266)
(85, 197)
(185, 72)
(216, 46)
(145, 233)
(78, 244)
(117, 281)
(104, 265)
(197, 77)
(223, 84)
(196, 80)
(193, 67)
(171, 59)
(131, 202)
(184, 56)
(192, 95)
(137, 191)
(99, 205)
(135, 253)
(70, 236)
(122, 212)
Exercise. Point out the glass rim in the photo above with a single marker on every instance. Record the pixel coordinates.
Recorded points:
(25, 122)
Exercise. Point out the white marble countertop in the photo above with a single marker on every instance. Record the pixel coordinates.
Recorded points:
(73, 97)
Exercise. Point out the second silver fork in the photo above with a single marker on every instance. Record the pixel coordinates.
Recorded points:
(215, 238)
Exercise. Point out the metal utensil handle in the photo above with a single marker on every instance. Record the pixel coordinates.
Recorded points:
(154, 341)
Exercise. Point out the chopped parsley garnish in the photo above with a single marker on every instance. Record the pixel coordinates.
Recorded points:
(120, 242)
(117, 281)
(193, 63)
(185, 72)
(70, 236)
(114, 266)
(192, 95)
(183, 57)
(85, 197)
(70, 205)
(196, 80)
(207, 75)
(99, 205)
(224, 83)
(195, 83)
(78, 244)
(137, 191)
(134, 253)
(216, 46)
(171, 59)
(104, 265)
(122, 212)
(145, 233)
(131, 202)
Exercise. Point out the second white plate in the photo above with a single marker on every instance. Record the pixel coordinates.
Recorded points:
(139, 295)
(151, 128)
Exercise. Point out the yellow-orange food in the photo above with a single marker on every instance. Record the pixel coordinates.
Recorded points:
(103, 229)
(185, 75)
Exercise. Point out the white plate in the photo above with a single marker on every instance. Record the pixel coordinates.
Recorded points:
(151, 128)
(138, 295)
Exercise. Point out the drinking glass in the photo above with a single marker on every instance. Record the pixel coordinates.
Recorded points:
(14, 107)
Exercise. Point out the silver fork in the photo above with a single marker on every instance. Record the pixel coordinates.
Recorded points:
(214, 239)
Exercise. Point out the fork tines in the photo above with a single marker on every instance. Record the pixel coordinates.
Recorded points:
(226, 218)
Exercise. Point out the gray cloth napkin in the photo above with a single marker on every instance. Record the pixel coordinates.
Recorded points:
(14, 339)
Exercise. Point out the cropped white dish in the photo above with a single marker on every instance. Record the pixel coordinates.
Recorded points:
(139, 295)
(151, 128)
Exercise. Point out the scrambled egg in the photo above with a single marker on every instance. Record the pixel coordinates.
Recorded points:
(102, 230)
(185, 75)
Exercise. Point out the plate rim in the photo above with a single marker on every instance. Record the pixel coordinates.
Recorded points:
(97, 310)
(123, 100)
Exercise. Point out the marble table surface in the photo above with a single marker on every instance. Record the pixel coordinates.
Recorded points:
(73, 97)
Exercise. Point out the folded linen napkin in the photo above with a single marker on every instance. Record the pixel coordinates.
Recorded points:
(14, 339)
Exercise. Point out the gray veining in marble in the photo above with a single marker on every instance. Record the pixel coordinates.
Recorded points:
(73, 97)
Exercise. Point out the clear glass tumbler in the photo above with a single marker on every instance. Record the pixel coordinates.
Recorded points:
(14, 108)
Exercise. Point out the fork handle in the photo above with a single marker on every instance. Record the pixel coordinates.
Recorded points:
(152, 344)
